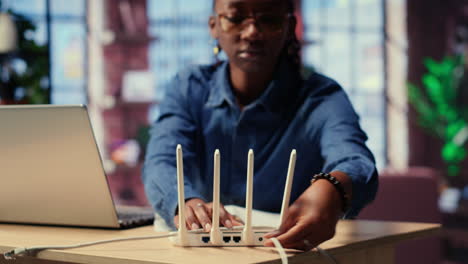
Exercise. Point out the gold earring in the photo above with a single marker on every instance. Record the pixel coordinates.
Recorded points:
(216, 48)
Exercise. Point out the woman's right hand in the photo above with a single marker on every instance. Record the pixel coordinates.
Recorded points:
(198, 215)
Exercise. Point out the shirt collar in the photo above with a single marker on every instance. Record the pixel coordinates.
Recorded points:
(220, 87)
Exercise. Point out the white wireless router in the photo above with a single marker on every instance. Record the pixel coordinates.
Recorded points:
(247, 235)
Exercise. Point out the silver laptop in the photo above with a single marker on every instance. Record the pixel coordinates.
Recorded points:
(51, 171)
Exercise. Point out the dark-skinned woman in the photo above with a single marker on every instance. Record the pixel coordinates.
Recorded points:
(258, 100)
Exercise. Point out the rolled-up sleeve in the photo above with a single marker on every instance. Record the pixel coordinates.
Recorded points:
(343, 149)
(175, 125)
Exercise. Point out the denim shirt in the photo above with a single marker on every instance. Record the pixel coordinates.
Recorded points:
(199, 111)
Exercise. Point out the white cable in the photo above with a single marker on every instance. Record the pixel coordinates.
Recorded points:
(327, 255)
(282, 253)
(284, 257)
(19, 251)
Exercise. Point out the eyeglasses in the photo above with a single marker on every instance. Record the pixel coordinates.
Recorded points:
(266, 22)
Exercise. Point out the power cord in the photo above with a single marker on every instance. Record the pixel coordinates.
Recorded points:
(284, 257)
(281, 251)
(327, 255)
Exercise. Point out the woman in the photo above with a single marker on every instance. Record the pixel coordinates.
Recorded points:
(258, 100)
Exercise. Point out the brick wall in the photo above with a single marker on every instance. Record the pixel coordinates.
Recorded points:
(128, 52)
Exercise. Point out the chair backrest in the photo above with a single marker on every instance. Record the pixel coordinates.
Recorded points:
(409, 195)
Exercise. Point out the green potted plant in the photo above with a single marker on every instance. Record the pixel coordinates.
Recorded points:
(439, 108)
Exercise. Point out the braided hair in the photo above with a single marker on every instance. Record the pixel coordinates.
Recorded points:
(292, 47)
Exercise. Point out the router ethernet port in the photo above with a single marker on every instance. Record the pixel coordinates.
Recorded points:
(205, 239)
(236, 239)
(226, 239)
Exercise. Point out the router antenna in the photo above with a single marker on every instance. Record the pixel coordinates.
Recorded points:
(181, 197)
(215, 234)
(288, 185)
(247, 232)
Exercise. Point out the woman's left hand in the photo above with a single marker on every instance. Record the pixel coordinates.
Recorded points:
(311, 219)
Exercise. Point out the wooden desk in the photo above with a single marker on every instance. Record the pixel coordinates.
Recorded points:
(355, 242)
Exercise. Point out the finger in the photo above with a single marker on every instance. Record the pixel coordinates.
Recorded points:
(304, 245)
(307, 245)
(281, 230)
(310, 233)
(273, 233)
(292, 237)
(292, 216)
(190, 219)
(209, 209)
(277, 232)
(289, 222)
(202, 215)
(236, 221)
(225, 217)
(294, 234)
(176, 221)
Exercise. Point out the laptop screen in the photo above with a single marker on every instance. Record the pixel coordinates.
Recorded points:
(51, 168)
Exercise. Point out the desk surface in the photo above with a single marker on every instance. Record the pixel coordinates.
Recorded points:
(350, 236)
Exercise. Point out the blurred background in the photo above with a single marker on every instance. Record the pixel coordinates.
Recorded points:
(402, 63)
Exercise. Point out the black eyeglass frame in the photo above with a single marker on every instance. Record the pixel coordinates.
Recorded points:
(254, 16)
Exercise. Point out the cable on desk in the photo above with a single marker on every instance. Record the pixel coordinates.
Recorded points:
(284, 257)
(10, 255)
(281, 251)
(327, 255)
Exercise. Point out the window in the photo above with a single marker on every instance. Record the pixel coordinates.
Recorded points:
(345, 41)
(62, 25)
(182, 39)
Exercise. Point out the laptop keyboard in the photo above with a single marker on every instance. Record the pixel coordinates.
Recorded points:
(132, 216)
